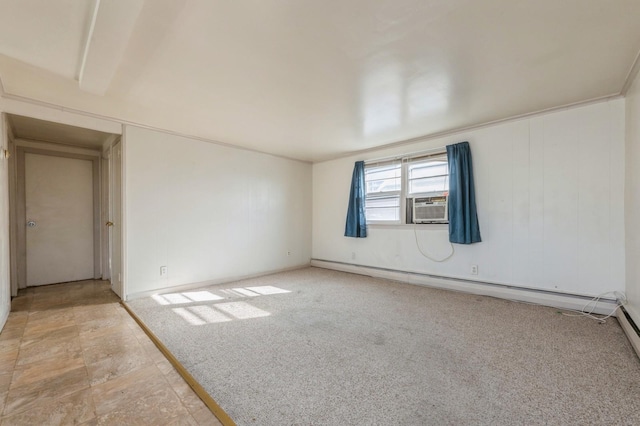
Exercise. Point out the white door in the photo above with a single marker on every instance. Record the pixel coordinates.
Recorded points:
(59, 213)
(116, 219)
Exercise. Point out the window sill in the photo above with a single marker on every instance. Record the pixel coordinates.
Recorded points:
(420, 226)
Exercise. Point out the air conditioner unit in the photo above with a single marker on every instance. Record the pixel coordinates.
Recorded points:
(430, 209)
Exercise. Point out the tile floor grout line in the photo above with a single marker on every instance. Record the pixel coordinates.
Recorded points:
(222, 416)
(86, 366)
(15, 361)
(13, 370)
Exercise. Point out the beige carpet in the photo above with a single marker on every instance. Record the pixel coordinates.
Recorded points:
(319, 347)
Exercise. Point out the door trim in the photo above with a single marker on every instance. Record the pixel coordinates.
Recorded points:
(105, 216)
(115, 214)
(21, 207)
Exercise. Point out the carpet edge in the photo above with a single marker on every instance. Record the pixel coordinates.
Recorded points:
(217, 411)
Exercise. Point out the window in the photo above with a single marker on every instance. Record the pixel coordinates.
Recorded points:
(428, 177)
(384, 185)
(392, 185)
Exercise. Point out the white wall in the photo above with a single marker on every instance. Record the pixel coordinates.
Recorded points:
(632, 200)
(5, 285)
(550, 198)
(210, 212)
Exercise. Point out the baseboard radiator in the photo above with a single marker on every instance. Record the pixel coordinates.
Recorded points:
(630, 328)
(502, 291)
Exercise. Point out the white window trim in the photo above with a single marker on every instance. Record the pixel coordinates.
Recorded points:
(404, 188)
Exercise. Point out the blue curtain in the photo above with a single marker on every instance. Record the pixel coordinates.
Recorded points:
(463, 217)
(356, 221)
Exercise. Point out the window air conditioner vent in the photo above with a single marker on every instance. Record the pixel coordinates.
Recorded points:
(430, 209)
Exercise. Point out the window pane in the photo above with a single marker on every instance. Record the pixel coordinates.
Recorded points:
(428, 169)
(430, 176)
(382, 214)
(383, 185)
(383, 202)
(383, 208)
(383, 178)
(382, 172)
(433, 184)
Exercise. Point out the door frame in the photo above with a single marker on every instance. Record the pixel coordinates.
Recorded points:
(113, 164)
(105, 211)
(21, 207)
(108, 161)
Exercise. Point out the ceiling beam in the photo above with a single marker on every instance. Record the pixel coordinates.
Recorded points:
(112, 24)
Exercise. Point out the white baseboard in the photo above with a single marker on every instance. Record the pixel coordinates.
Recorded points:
(191, 286)
(501, 291)
(5, 316)
(629, 330)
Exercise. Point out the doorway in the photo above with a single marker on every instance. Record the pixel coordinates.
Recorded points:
(61, 203)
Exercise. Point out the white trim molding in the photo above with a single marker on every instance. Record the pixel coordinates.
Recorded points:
(5, 315)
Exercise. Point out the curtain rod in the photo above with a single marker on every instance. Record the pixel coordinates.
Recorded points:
(427, 153)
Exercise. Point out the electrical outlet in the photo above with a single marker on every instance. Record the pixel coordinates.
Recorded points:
(474, 269)
(288, 253)
(353, 255)
(163, 271)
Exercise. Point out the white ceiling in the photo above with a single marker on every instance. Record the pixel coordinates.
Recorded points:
(315, 80)
(47, 131)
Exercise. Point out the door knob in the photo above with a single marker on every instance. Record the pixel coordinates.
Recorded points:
(109, 223)
(31, 224)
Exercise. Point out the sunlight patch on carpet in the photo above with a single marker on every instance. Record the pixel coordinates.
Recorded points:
(268, 289)
(242, 310)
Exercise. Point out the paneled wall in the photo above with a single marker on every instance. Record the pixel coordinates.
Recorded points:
(209, 212)
(632, 201)
(550, 196)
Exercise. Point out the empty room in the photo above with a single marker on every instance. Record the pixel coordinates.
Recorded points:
(319, 213)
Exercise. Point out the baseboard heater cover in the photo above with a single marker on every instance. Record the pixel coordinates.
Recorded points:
(501, 291)
(630, 328)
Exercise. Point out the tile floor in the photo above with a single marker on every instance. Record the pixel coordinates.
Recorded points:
(70, 354)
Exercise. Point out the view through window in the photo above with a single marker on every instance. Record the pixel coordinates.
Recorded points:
(392, 186)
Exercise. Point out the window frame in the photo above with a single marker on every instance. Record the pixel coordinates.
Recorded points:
(405, 163)
(389, 194)
(430, 159)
